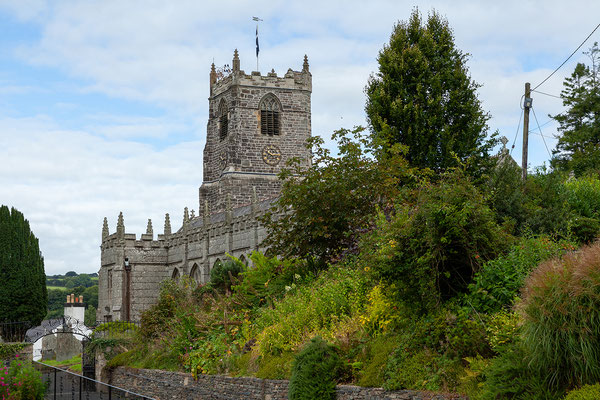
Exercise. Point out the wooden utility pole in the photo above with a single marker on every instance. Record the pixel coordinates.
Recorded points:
(527, 101)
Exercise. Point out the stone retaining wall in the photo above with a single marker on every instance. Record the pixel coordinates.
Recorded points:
(165, 385)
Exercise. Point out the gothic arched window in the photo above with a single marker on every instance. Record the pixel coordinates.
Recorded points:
(223, 119)
(270, 111)
(175, 275)
(195, 274)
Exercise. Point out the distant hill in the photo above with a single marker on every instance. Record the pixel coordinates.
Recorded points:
(59, 286)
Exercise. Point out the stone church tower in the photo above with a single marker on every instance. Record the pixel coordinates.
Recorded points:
(256, 123)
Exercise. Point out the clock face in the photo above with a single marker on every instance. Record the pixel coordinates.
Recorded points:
(271, 154)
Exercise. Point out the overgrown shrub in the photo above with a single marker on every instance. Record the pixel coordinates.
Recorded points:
(498, 282)
(308, 310)
(422, 370)
(156, 319)
(583, 196)
(453, 331)
(508, 376)
(561, 311)
(506, 197)
(586, 392)
(438, 238)
(268, 279)
(376, 359)
(222, 276)
(8, 350)
(315, 372)
(21, 381)
(546, 204)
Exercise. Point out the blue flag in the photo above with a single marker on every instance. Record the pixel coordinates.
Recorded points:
(257, 41)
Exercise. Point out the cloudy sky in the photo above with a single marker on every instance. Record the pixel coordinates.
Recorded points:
(103, 104)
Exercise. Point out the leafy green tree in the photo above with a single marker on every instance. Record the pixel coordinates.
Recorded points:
(578, 148)
(90, 316)
(90, 296)
(56, 303)
(423, 97)
(322, 209)
(22, 278)
(436, 240)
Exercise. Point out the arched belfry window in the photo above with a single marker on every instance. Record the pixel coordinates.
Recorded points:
(270, 111)
(223, 119)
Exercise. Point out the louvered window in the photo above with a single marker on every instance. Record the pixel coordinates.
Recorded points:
(269, 116)
(223, 122)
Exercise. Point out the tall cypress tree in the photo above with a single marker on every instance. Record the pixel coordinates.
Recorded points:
(23, 295)
(423, 97)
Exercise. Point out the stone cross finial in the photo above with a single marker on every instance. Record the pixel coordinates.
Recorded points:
(504, 141)
(192, 214)
(236, 61)
(149, 230)
(120, 226)
(305, 65)
(167, 230)
(105, 231)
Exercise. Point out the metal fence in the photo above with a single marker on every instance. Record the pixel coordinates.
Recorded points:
(66, 385)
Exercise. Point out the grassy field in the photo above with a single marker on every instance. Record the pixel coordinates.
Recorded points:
(57, 287)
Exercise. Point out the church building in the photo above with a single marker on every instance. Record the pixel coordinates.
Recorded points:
(256, 123)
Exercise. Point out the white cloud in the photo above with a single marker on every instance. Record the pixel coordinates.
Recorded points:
(67, 170)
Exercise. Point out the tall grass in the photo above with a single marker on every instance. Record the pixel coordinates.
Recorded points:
(561, 310)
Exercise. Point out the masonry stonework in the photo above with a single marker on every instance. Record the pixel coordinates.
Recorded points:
(165, 385)
(241, 162)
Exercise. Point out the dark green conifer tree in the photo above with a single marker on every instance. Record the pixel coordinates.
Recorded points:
(578, 148)
(23, 295)
(423, 97)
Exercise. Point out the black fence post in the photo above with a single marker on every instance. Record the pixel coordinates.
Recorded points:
(110, 393)
(80, 384)
(55, 383)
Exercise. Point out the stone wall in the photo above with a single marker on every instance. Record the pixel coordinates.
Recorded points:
(165, 385)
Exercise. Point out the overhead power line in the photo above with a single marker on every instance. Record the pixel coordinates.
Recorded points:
(568, 58)
(540, 129)
(547, 94)
(517, 132)
(544, 124)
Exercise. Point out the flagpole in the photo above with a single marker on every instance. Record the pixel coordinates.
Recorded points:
(257, 47)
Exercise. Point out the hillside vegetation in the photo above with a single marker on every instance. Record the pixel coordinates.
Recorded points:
(467, 305)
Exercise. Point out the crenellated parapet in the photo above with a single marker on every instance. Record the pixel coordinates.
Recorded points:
(193, 228)
(291, 80)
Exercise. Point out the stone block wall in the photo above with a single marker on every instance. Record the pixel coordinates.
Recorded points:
(165, 385)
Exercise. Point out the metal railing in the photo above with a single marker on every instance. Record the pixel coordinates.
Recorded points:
(65, 385)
